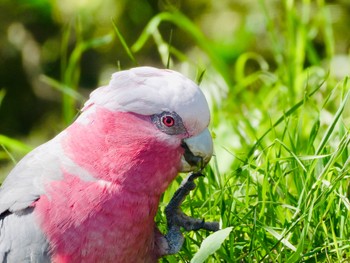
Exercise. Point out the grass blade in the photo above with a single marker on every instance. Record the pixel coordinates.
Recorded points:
(14, 144)
(124, 44)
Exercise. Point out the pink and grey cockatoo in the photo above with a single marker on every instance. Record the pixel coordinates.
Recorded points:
(91, 193)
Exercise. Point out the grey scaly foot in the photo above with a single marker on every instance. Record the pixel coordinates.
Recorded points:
(177, 219)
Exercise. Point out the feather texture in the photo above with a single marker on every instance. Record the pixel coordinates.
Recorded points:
(21, 239)
(147, 91)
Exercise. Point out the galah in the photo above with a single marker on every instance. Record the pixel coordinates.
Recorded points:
(91, 193)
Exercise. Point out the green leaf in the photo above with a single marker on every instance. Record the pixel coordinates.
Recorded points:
(2, 95)
(281, 238)
(14, 144)
(211, 244)
(62, 88)
(124, 44)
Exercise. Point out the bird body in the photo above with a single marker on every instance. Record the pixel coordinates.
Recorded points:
(92, 192)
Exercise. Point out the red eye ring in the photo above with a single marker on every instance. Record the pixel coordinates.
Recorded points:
(168, 121)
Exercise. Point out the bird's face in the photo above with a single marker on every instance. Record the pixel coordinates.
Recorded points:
(174, 106)
(198, 149)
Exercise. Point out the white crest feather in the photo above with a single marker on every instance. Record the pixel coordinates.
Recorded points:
(147, 91)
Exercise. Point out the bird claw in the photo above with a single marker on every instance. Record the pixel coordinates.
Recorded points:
(176, 218)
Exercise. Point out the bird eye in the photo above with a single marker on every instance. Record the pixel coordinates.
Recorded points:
(168, 121)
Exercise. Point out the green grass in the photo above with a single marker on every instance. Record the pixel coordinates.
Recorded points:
(280, 177)
(286, 191)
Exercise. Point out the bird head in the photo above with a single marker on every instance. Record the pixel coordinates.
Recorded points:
(145, 115)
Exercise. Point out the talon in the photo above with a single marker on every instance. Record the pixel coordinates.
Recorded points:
(179, 196)
(195, 175)
(194, 226)
(211, 226)
(174, 215)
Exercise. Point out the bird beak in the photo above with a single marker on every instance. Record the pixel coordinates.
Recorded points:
(198, 151)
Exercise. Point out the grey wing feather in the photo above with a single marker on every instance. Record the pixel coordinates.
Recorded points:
(26, 181)
(21, 239)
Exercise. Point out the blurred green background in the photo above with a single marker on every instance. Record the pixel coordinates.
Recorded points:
(32, 44)
(75, 43)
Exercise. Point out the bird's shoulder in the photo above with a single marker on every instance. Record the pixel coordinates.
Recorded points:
(26, 182)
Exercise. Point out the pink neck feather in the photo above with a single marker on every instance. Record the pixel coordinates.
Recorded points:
(126, 149)
(110, 219)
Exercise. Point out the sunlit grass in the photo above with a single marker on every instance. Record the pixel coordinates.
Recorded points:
(286, 193)
(280, 177)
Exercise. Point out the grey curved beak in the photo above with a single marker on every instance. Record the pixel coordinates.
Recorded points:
(198, 151)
